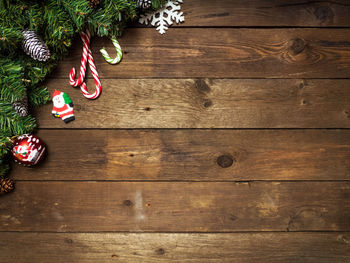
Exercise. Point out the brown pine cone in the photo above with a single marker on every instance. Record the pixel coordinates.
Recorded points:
(6, 185)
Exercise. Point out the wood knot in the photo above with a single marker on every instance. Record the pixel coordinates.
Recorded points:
(127, 203)
(160, 251)
(298, 46)
(114, 256)
(77, 107)
(233, 217)
(68, 240)
(147, 109)
(202, 86)
(225, 160)
(323, 13)
(207, 103)
(343, 239)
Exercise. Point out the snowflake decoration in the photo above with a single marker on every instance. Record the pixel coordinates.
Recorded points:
(164, 17)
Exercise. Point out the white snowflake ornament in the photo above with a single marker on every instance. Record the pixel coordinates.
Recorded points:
(164, 17)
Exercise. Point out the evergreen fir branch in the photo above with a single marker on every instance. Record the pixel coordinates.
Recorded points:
(6, 109)
(38, 96)
(36, 71)
(12, 87)
(111, 18)
(17, 125)
(78, 10)
(34, 16)
(13, 16)
(156, 4)
(59, 30)
(10, 39)
(5, 148)
(4, 168)
(4, 4)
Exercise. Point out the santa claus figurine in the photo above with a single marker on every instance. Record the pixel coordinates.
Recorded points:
(62, 106)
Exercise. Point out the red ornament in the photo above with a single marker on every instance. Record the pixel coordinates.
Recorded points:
(28, 149)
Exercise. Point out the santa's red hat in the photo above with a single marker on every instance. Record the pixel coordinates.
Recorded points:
(55, 93)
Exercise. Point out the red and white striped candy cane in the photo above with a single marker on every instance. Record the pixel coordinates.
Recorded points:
(80, 80)
(94, 74)
(87, 56)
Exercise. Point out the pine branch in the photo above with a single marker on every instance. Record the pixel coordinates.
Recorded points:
(10, 39)
(12, 87)
(38, 96)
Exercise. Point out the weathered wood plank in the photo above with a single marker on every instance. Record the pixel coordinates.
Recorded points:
(223, 53)
(192, 155)
(143, 247)
(176, 206)
(208, 103)
(266, 13)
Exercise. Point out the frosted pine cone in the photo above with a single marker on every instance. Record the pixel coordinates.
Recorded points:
(34, 46)
(144, 4)
(21, 107)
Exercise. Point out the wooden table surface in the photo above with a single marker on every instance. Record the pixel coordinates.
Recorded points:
(225, 140)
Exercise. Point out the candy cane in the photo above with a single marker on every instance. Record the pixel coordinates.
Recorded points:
(81, 77)
(118, 49)
(88, 58)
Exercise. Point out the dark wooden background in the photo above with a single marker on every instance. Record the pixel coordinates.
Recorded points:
(225, 140)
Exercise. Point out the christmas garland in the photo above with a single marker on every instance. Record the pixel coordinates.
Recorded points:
(34, 36)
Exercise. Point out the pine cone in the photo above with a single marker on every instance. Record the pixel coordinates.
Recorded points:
(94, 3)
(34, 46)
(21, 107)
(144, 4)
(6, 185)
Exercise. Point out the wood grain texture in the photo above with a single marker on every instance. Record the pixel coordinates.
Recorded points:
(266, 13)
(193, 248)
(189, 183)
(207, 103)
(222, 53)
(192, 155)
(176, 206)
